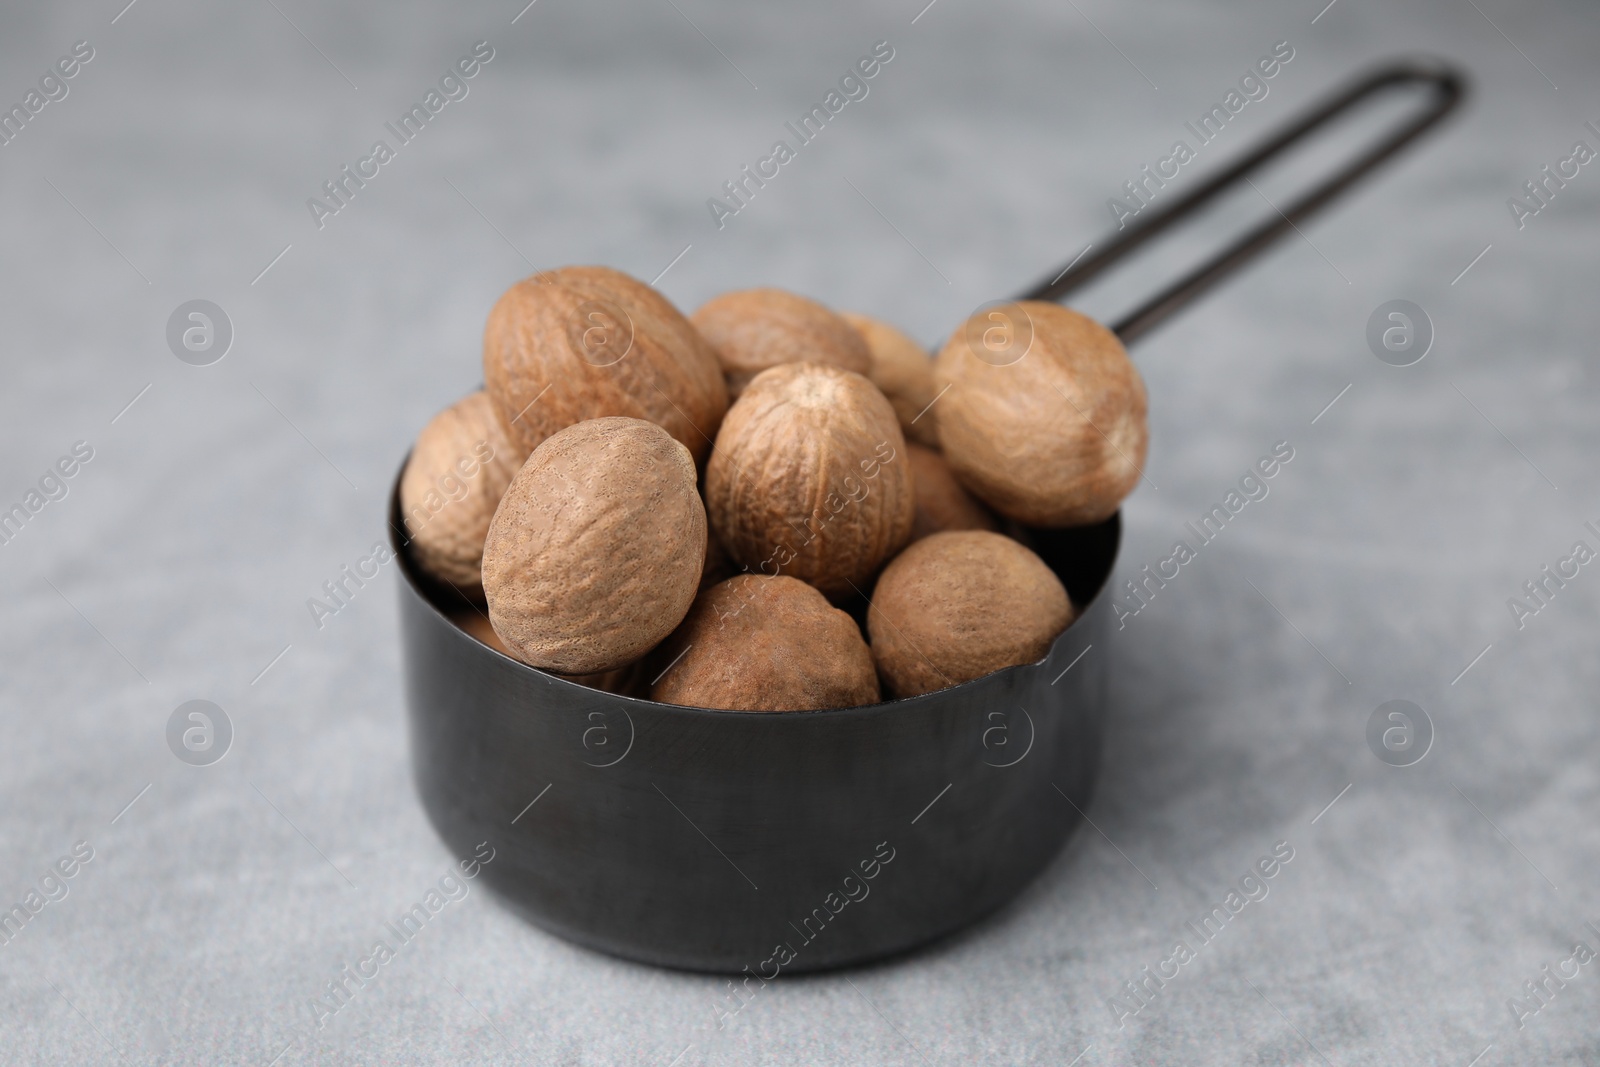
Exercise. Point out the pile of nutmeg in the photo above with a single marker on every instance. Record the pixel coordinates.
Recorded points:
(766, 506)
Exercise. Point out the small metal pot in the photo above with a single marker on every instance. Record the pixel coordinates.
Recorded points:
(706, 839)
(794, 841)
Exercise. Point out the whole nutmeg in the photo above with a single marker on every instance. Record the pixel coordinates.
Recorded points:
(957, 606)
(595, 552)
(458, 470)
(941, 502)
(587, 342)
(754, 329)
(1045, 417)
(809, 478)
(758, 643)
(903, 371)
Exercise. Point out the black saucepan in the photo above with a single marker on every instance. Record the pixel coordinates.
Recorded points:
(785, 842)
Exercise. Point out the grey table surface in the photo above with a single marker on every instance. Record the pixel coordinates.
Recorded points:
(178, 566)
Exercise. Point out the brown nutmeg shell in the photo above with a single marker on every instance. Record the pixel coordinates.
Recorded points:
(809, 478)
(903, 371)
(941, 502)
(595, 553)
(588, 342)
(459, 468)
(957, 606)
(757, 643)
(1045, 415)
(754, 329)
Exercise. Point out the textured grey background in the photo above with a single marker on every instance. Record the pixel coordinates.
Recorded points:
(182, 558)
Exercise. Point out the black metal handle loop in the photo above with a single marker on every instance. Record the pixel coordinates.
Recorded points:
(1449, 85)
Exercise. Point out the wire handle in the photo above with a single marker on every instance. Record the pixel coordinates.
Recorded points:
(1449, 85)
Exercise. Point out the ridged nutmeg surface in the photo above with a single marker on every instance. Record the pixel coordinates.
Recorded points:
(1045, 415)
(595, 553)
(754, 329)
(587, 342)
(957, 606)
(941, 502)
(459, 467)
(757, 643)
(903, 371)
(809, 478)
